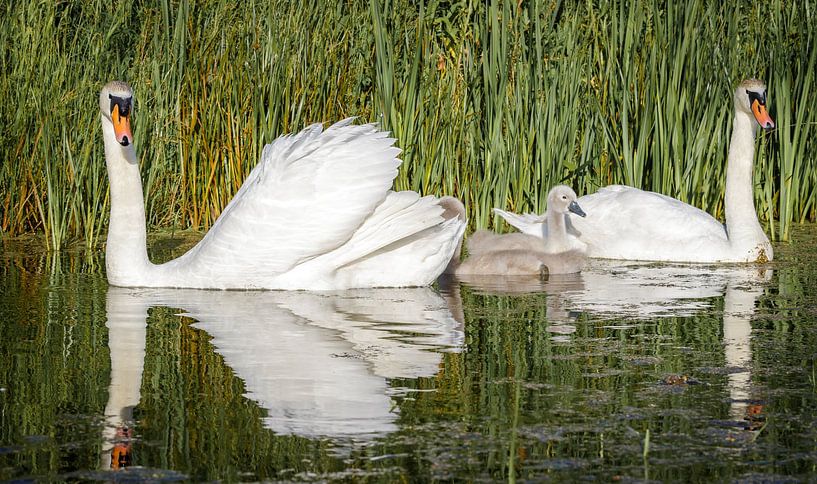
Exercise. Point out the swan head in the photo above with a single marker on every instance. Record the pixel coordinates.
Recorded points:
(563, 199)
(116, 105)
(750, 98)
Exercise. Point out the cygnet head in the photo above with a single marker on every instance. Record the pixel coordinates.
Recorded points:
(750, 98)
(116, 105)
(562, 199)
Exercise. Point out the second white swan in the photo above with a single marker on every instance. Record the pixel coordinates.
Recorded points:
(627, 223)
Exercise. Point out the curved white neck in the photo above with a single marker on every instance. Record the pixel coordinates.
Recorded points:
(742, 226)
(126, 249)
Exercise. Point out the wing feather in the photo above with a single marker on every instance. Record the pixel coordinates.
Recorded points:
(307, 196)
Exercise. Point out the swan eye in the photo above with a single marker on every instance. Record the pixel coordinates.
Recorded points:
(760, 97)
(124, 104)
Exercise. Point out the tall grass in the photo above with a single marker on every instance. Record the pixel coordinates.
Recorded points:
(492, 101)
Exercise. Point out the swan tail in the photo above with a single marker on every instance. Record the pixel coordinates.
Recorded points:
(452, 207)
(401, 215)
(406, 242)
(412, 261)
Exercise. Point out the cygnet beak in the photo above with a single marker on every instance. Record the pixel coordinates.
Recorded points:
(575, 208)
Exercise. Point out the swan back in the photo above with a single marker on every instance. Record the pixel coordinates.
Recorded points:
(516, 262)
(483, 241)
(513, 262)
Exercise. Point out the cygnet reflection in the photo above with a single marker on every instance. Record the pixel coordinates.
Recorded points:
(634, 290)
(637, 290)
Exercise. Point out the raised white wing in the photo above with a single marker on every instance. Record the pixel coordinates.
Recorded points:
(310, 192)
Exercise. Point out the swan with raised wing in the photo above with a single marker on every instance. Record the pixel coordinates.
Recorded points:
(317, 212)
(628, 223)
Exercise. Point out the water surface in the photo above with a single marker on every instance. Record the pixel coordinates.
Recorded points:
(625, 372)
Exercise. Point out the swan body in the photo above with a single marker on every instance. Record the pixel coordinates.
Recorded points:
(525, 254)
(316, 213)
(628, 223)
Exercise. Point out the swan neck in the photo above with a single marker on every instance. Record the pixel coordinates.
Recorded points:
(126, 257)
(557, 231)
(742, 225)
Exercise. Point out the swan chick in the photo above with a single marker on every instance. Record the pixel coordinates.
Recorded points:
(524, 254)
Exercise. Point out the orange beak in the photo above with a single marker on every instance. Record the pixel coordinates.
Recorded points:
(761, 115)
(121, 127)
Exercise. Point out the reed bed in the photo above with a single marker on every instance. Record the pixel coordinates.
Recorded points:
(491, 101)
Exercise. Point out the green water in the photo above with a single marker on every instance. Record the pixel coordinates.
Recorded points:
(627, 372)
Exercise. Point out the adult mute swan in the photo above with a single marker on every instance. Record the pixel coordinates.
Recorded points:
(628, 223)
(316, 213)
(524, 254)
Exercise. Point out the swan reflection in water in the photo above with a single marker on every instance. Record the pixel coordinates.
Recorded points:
(318, 363)
(628, 290)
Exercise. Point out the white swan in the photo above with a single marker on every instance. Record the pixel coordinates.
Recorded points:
(524, 254)
(316, 213)
(628, 223)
